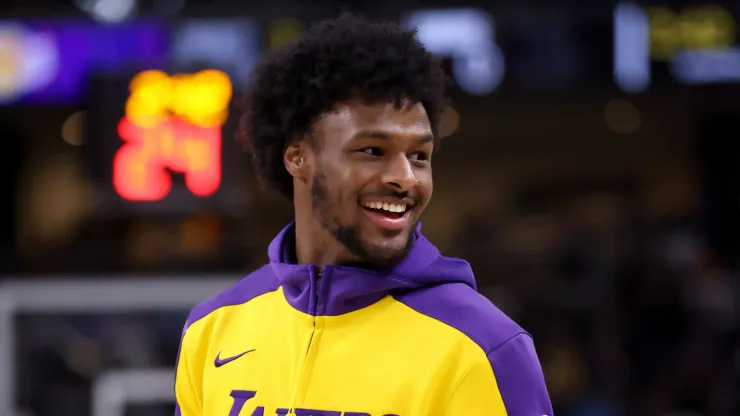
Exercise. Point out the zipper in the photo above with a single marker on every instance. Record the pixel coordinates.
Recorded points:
(299, 384)
(315, 303)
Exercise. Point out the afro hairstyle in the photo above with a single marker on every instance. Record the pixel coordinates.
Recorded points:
(334, 61)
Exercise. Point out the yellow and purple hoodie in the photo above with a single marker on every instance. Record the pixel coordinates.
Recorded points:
(415, 340)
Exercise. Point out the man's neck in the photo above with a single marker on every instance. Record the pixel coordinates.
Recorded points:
(315, 245)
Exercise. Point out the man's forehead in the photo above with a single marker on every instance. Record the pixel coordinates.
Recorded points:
(357, 114)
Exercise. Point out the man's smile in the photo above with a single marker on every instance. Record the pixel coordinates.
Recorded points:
(388, 216)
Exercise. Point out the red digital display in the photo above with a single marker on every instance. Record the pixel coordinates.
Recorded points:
(171, 124)
(140, 167)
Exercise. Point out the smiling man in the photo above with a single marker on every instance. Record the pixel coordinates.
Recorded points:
(356, 313)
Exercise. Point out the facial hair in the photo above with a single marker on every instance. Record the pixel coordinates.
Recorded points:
(348, 235)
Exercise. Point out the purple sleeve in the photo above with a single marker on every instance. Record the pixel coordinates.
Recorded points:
(520, 379)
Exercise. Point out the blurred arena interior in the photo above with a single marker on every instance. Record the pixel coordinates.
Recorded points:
(583, 175)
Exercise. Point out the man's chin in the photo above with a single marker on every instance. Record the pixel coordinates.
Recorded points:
(387, 253)
(383, 261)
(380, 250)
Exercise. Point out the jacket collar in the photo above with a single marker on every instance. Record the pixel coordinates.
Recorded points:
(343, 289)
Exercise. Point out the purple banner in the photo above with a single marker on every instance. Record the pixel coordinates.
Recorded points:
(51, 61)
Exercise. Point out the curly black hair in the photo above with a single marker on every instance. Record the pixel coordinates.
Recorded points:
(335, 60)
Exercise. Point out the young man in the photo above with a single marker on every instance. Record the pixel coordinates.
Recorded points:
(356, 313)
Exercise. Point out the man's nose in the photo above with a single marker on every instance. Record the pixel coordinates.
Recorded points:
(399, 174)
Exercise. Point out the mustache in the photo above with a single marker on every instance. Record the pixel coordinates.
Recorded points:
(406, 196)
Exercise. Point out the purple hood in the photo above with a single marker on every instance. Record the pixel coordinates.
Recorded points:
(342, 289)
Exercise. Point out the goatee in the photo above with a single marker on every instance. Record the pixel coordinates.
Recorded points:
(349, 236)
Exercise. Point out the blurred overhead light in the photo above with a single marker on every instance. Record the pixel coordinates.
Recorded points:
(631, 48)
(110, 11)
(468, 37)
(28, 61)
(239, 46)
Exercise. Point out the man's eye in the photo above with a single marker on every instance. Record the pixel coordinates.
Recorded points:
(419, 156)
(372, 151)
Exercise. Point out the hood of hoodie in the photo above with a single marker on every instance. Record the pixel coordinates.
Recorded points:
(335, 290)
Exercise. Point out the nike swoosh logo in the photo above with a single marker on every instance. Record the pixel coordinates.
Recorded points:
(219, 362)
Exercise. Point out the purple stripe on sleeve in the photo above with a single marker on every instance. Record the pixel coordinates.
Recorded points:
(177, 410)
(519, 377)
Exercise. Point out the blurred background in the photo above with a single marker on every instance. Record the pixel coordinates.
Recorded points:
(590, 174)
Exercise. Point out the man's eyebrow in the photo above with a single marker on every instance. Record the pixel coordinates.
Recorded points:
(372, 134)
(376, 134)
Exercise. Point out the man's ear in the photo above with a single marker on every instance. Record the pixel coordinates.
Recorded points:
(295, 158)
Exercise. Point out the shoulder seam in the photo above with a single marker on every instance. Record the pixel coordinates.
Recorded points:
(504, 342)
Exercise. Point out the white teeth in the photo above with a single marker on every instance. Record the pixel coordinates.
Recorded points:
(385, 206)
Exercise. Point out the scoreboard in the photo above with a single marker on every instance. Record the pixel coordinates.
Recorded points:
(171, 123)
(162, 142)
